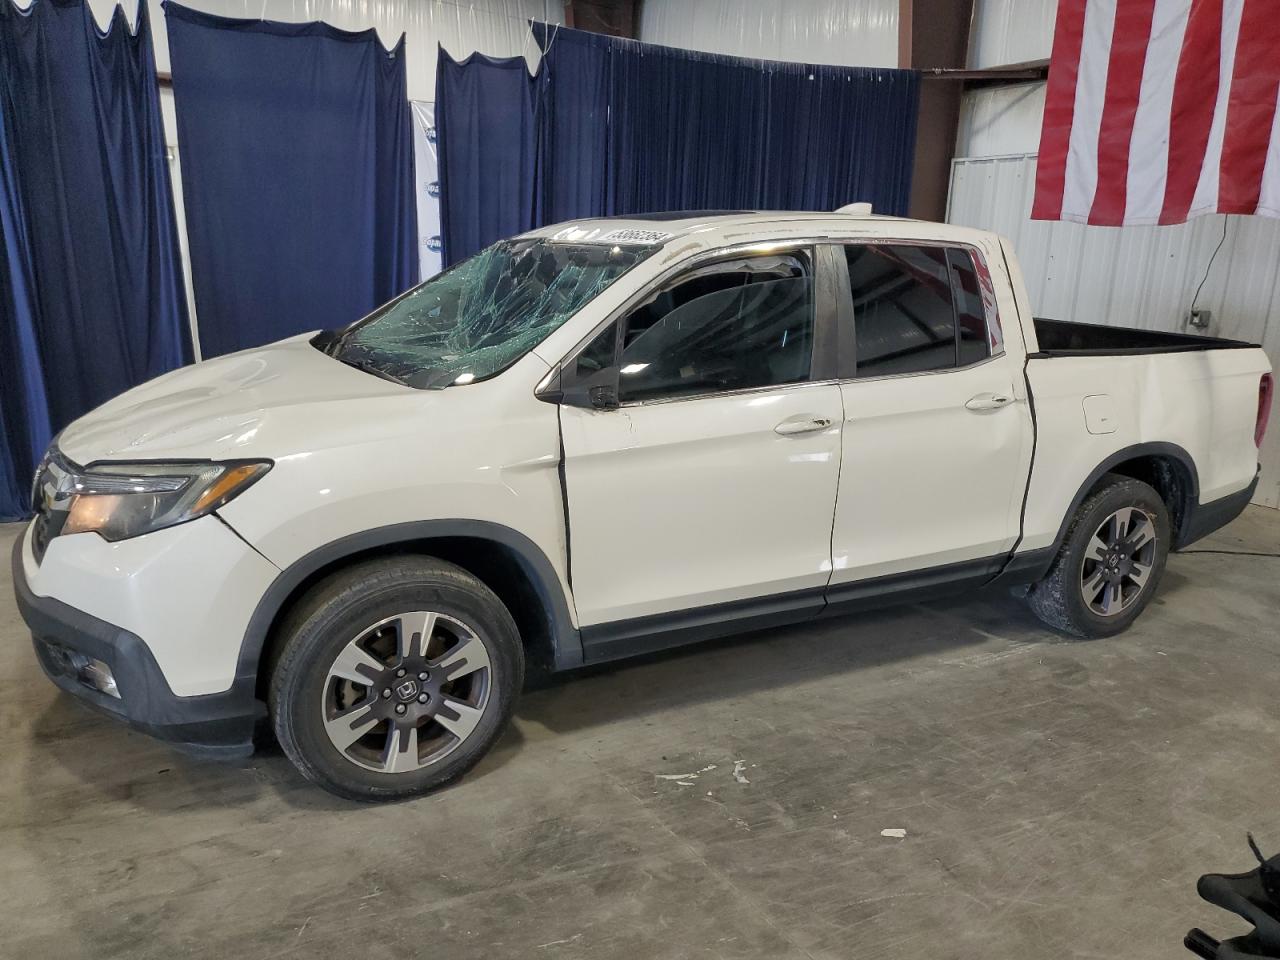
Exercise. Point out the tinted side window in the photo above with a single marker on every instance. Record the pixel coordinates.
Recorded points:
(971, 315)
(733, 325)
(595, 356)
(902, 311)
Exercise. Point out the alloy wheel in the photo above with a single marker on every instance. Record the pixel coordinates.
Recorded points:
(1118, 561)
(406, 692)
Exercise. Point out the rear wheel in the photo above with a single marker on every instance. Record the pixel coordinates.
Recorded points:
(1110, 562)
(395, 677)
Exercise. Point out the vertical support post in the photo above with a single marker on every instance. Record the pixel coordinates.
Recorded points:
(934, 34)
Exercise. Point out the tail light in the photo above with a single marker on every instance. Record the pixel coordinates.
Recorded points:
(1265, 386)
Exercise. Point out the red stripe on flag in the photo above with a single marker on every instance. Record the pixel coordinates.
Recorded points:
(1130, 37)
(1195, 94)
(1251, 108)
(1059, 111)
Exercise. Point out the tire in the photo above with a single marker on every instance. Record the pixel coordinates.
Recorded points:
(353, 667)
(1069, 597)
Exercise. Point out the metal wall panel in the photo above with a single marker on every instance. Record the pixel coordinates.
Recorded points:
(1134, 276)
(998, 121)
(1011, 31)
(858, 33)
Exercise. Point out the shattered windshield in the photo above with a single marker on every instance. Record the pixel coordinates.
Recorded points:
(480, 316)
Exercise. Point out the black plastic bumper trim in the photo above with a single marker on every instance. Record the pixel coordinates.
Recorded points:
(1204, 518)
(218, 724)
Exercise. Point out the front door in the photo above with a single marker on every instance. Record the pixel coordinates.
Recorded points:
(713, 481)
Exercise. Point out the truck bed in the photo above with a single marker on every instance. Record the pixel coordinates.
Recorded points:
(1059, 338)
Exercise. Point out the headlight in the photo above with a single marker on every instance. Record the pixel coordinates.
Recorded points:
(120, 500)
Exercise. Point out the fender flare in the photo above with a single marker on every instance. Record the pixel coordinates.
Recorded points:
(1170, 451)
(1034, 564)
(566, 641)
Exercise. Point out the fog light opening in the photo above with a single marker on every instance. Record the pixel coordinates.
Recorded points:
(96, 674)
(93, 673)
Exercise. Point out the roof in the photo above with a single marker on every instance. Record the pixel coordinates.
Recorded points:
(660, 228)
(686, 233)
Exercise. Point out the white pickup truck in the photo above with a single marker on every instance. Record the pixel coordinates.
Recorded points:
(603, 438)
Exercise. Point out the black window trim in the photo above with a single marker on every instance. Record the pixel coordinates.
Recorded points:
(823, 365)
(846, 333)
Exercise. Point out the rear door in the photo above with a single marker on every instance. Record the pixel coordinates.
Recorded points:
(713, 482)
(937, 431)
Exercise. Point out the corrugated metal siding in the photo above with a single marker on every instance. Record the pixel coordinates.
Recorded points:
(998, 121)
(857, 33)
(1133, 276)
(1011, 31)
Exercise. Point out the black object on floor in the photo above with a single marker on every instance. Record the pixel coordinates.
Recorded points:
(1255, 896)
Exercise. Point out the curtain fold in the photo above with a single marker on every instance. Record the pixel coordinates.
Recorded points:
(297, 174)
(91, 299)
(486, 142)
(572, 116)
(24, 414)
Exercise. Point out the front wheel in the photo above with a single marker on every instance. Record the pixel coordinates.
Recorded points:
(1110, 561)
(396, 676)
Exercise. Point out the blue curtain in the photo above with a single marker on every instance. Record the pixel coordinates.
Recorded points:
(617, 127)
(670, 129)
(839, 135)
(24, 416)
(572, 111)
(486, 142)
(91, 299)
(297, 174)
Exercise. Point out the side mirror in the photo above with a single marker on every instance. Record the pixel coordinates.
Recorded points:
(599, 391)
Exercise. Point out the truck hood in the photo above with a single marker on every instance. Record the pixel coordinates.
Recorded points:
(270, 402)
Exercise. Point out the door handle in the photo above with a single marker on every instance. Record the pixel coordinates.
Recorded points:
(989, 401)
(802, 423)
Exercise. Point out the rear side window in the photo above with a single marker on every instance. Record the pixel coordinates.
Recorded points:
(971, 316)
(915, 309)
(739, 324)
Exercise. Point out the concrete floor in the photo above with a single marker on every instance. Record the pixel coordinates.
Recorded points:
(1059, 800)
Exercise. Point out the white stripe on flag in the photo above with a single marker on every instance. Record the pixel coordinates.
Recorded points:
(1091, 87)
(1269, 198)
(1149, 145)
(1206, 196)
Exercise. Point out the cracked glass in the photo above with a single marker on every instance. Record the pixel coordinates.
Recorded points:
(483, 314)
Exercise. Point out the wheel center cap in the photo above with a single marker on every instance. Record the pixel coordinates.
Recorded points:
(407, 690)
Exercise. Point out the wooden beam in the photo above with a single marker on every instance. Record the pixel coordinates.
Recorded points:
(937, 33)
(1027, 72)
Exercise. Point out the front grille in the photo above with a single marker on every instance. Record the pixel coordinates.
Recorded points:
(51, 499)
(40, 535)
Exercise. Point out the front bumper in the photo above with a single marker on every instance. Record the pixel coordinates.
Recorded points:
(218, 724)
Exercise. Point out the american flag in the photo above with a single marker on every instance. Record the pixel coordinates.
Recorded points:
(1161, 110)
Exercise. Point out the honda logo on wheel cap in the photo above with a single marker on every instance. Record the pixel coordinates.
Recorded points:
(407, 690)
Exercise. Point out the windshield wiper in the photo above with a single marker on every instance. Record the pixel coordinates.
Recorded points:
(327, 341)
(368, 366)
(432, 378)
